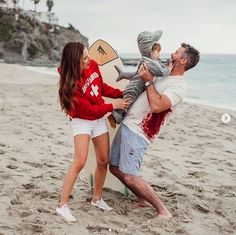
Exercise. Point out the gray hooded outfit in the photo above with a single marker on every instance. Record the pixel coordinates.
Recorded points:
(146, 40)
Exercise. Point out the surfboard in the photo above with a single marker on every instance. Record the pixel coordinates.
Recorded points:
(106, 57)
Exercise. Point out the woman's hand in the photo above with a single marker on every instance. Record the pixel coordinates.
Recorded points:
(120, 104)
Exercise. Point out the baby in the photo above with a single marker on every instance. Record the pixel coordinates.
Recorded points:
(150, 51)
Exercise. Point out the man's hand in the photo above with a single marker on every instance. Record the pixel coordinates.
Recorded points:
(144, 73)
(157, 102)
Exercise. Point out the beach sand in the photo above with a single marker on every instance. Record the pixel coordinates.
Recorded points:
(191, 167)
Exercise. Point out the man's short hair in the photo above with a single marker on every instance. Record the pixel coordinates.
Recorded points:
(192, 55)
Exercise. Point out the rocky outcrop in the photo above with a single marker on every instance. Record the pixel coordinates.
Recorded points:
(26, 40)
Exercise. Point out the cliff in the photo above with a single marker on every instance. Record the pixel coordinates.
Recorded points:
(24, 39)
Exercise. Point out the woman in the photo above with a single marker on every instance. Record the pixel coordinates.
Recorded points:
(80, 92)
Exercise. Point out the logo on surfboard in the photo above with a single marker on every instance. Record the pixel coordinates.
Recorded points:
(101, 50)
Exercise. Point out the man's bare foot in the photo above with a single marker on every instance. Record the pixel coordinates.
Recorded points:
(164, 215)
(112, 121)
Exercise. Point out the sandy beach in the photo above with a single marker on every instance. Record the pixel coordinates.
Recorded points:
(191, 167)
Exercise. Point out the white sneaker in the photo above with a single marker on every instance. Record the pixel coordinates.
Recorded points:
(102, 205)
(64, 211)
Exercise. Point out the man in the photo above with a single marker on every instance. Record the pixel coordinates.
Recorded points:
(143, 123)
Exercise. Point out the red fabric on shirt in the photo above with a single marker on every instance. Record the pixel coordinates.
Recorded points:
(152, 123)
(88, 101)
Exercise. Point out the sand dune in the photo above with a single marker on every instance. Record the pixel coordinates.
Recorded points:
(191, 166)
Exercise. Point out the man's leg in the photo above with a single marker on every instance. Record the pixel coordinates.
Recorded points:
(116, 172)
(132, 148)
(142, 190)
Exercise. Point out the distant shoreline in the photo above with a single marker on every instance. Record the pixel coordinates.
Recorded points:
(130, 61)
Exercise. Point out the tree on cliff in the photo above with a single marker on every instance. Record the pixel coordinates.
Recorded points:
(49, 5)
(35, 4)
(15, 2)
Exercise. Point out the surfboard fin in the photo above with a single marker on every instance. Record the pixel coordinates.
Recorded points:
(91, 182)
(126, 193)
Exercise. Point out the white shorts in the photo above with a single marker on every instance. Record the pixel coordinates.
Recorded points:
(92, 128)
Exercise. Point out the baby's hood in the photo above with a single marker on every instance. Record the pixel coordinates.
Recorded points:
(146, 40)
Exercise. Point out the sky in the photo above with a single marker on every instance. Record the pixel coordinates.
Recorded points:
(208, 25)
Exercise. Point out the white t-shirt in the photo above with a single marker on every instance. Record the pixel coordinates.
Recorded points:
(141, 120)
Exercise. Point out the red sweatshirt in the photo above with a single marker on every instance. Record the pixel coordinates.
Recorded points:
(88, 101)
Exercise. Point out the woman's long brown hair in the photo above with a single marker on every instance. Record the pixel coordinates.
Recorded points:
(70, 72)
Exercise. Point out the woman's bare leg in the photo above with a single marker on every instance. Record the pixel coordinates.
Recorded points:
(81, 143)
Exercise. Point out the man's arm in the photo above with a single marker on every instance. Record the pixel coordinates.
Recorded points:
(157, 102)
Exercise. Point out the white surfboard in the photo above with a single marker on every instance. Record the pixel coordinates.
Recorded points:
(106, 57)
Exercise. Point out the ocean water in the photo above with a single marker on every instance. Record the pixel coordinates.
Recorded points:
(212, 82)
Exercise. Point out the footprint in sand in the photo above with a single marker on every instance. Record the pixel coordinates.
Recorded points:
(25, 214)
(13, 159)
(33, 164)
(35, 227)
(121, 209)
(12, 167)
(45, 194)
(16, 198)
(159, 188)
(2, 146)
(43, 210)
(28, 186)
(174, 194)
(196, 188)
(144, 229)
(220, 169)
(160, 174)
(201, 208)
(229, 164)
(197, 174)
(50, 136)
(194, 162)
(49, 165)
(180, 231)
(17, 132)
(219, 212)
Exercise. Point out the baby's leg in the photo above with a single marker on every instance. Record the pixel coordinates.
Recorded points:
(132, 91)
